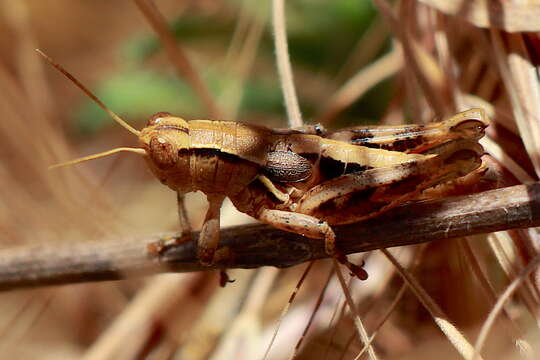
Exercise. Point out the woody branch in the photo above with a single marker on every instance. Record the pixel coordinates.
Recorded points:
(252, 246)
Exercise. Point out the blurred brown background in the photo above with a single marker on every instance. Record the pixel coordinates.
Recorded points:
(348, 71)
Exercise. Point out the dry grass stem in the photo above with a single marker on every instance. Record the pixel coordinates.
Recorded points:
(284, 64)
(511, 16)
(365, 50)
(362, 332)
(178, 57)
(453, 334)
(153, 307)
(244, 331)
(505, 256)
(527, 129)
(286, 308)
(487, 286)
(244, 58)
(421, 65)
(312, 316)
(30, 69)
(498, 153)
(338, 313)
(360, 83)
(384, 318)
(213, 325)
(499, 306)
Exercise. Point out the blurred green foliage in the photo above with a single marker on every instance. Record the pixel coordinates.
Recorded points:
(322, 34)
(133, 92)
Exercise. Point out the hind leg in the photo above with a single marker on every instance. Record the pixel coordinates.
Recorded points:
(311, 227)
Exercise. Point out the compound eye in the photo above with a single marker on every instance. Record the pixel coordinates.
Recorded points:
(163, 153)
(156, 118)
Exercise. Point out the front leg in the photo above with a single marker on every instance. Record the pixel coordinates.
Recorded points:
(209, 235)
(185, 227)
(311, 227)
(161, 245)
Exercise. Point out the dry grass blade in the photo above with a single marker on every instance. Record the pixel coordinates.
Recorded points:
(286, 308)
(218, 313)
(446, 60)
(366, 49)
(177, 56)
(487, 286)
(339, 310)
(499, 306)
(509, 263)
(356, 86)
(354, 311)
(420, 63)
(242, 334)
(498, 153)
(242, 63)
(384, 318)
(284, 64)
(312, 316)
(441, 319)
(526, 122)
(525, 79)
(511, 16)
(30, 69)
(152, 309)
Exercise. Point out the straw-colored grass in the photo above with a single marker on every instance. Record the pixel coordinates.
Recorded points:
(471, 297)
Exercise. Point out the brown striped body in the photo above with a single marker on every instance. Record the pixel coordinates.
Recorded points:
(224, 156)
(300, 180)
(303, 182)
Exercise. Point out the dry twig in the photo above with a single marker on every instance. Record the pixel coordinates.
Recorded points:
(262, 245)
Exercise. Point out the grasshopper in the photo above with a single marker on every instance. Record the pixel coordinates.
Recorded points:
(300, 180)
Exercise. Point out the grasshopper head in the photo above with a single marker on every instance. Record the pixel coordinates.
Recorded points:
(163, 138)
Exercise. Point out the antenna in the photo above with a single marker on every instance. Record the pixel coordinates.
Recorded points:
(99, 155)
(116, 118)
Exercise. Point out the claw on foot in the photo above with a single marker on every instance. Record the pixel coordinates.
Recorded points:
(205, 256)
(158, 247)
(224, 278)
(355, 270)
